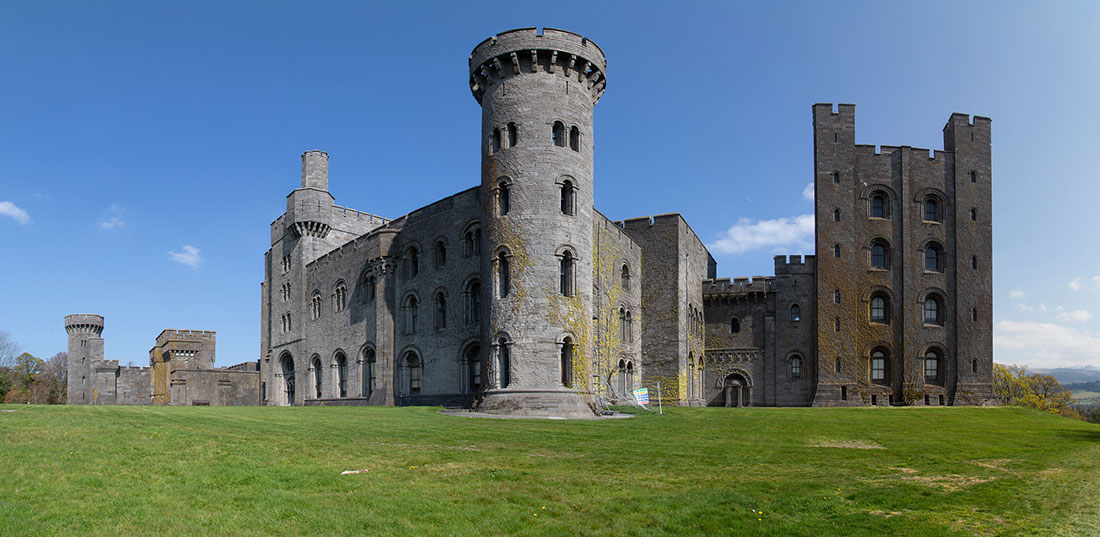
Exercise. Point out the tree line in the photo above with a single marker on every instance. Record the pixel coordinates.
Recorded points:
(25, 378)
(1014, 385)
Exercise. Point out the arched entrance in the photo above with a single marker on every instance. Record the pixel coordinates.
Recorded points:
(286, 364)
(737, 390)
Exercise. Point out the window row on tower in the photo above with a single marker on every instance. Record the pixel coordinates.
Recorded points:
(567, 190)
(561, 135)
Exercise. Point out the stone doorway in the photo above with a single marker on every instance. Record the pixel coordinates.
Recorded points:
(737, 390)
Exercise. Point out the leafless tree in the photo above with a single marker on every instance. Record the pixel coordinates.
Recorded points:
(55, 377)
(9, 349)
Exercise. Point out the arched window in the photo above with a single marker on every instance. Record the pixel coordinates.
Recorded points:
(933, 257)
(315, 306)
(513, 135)
(415, 372)
(558, 134)
(368, 288)
(440, 311)
(796, 313)
(504, 196)
(412, 313)
(932, 366)
(288, 377)
(796, 367)
(315, 365)
(370, 373)
(879, 206)
(575, 138)
(933, 310)
(629, 327)
(568, 198)
(880, 308)
(621, 378)
(473, 301)
(622, 324)
(440, 254)
(471, 242)
(836, 215)
(836, 178)
(567, 362)
(629, 378)
(504, 363)
(878, 366)
(342, 374)
(412, 262)
(566, 273)
(932, 210)
(496, 140)
(735, 325)
(880, 255)
(504, 278)
(624, 278)
(472, 361)
(973, 177)
(340, 296)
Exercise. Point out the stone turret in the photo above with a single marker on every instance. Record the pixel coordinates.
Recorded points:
(537, 92)
(85, 347)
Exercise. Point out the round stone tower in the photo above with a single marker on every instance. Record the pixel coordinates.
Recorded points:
(85, 347)
(537, 92)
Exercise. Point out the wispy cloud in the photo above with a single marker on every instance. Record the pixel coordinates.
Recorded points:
(808, 192)
(1075, 316)
(1044, 345)
(190, 256)
(115, 221)
(1024, 307)
(1075, 284)
(1016, 293)
(8, 208)
(780, 234)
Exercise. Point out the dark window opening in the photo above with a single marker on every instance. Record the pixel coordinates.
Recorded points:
(503, 275)
(735, 325)
(513, 135)
(568, 198)
(795, 313)
(878, 206)
(796, 367)
(567, 363)
(880, 255)
(504, 198)
(575, 138)
(496, 140)
(557, 134)
(565, 273)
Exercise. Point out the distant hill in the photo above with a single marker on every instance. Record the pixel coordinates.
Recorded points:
(1068, 375)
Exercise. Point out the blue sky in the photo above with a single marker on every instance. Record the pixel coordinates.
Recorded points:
(147, 146)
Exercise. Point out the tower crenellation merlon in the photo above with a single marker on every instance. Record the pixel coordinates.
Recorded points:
(529, 50)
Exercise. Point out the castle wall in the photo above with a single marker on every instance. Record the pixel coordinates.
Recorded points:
(215, 387)
(674, 262)
(846, 218)
(735, 352)
(617, 330)
(793, 340)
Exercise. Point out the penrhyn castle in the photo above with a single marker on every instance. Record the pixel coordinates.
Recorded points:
(516, 296)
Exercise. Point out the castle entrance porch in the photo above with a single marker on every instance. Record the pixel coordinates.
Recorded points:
(737, 390)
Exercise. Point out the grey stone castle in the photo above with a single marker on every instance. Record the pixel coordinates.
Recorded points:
(517, 296)
(181, 371)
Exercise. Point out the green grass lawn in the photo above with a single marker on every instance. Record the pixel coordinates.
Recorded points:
(96, 471)
(1085, 397)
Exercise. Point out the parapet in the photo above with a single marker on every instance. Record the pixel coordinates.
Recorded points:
(84, 323)
(530, 50)
(172, 334)
(795, 264)
(738, 286)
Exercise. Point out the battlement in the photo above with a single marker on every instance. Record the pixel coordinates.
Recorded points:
(795, 264)
(173, 334)
(531, 50)
(663, 220)
(840, 111)
(84, 323)
(871, 150)
(738, 286)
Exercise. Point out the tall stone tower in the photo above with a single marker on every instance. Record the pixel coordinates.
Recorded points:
(537, 92)
(85, 347)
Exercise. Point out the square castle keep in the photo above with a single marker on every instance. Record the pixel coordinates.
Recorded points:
(516, 296)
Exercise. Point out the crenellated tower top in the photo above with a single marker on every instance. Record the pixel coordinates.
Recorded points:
(84, 323)
(529, 50)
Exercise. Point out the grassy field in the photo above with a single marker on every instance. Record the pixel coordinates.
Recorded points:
(1085, 397)
(798, 472)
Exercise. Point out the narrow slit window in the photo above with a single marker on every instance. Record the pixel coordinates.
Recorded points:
(513, 135)
(575, 138)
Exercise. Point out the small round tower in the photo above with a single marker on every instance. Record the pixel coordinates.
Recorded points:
(537, 91)
(85, 347)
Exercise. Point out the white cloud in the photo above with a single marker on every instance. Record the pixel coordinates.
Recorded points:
(189, 256)
(8, 208)
(781, 234)
(1016, 293)
(1042, 307)
(113, 222)
(808, 192)
(1096, 281)
(1075, 284)
(1041, 345)
(1024, 307)
(1075, 316)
